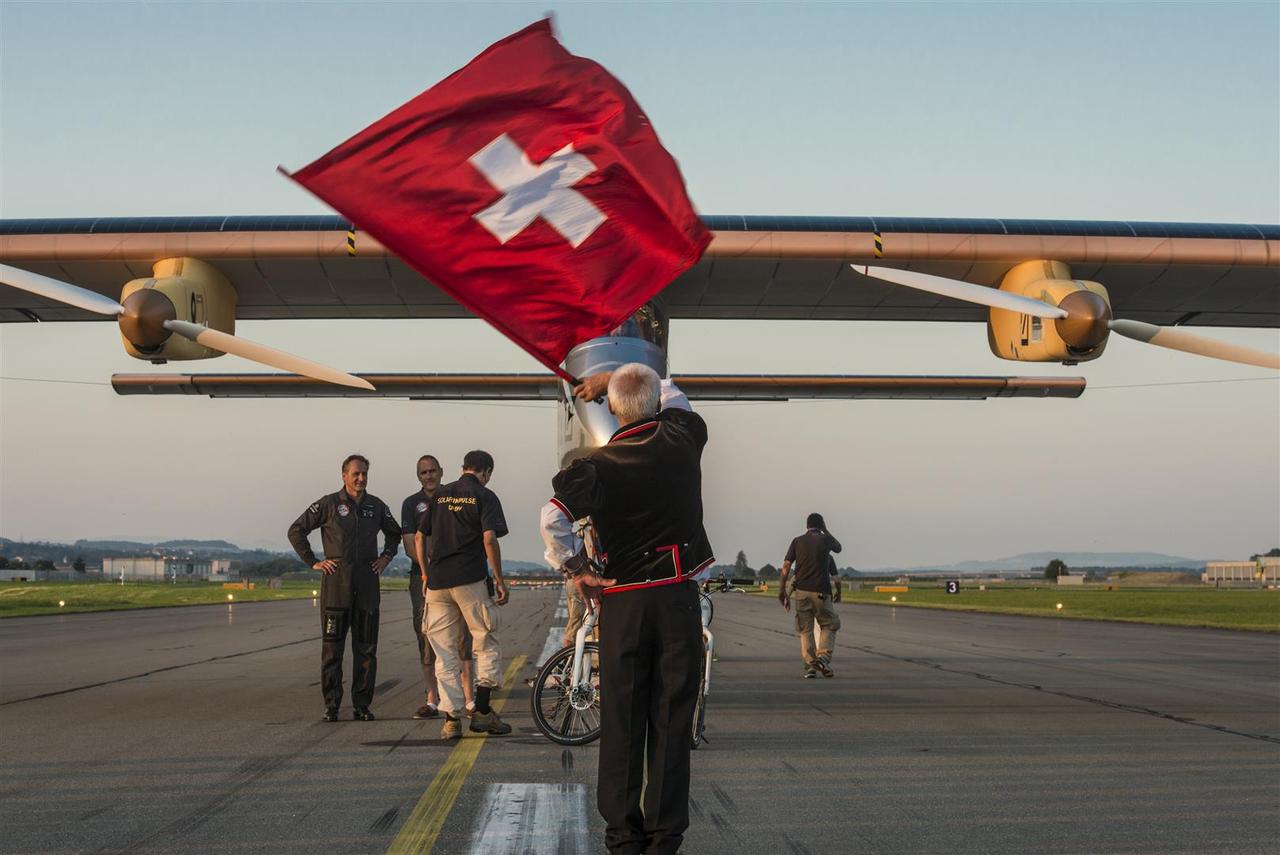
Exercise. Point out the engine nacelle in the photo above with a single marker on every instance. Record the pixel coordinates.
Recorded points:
(181, 289)
(586, 425)
(1078, 338)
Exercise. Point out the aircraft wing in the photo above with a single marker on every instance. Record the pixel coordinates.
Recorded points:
(756, 267)
(546, 387)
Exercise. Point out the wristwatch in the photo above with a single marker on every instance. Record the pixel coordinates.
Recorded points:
(579, 564)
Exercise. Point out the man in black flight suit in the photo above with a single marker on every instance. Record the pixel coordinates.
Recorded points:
(349, 521)
(643, 492)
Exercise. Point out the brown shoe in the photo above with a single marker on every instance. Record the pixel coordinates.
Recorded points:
(489, 723)
(452, 729)
(427, 710)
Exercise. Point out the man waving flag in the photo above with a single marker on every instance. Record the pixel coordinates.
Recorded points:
(530, 186)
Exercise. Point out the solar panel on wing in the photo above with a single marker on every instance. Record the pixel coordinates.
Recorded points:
(716, 222)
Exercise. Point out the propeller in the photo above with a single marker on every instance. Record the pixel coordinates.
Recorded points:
(1083, 318)
(147, 318)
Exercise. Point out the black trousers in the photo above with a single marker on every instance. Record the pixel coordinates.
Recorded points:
(651, 653)
(425, 654)
(363, 626)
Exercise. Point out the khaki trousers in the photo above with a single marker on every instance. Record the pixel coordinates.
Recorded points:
(811, 607)
(449, 612)
(577, 609)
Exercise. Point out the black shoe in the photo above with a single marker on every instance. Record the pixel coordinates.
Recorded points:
(489, 723)
(331, 714)
(810, 673)
(362, 714)
(427, 710)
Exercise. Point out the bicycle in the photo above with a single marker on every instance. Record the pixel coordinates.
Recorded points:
(565, 701)
(720, 586)
(704, 679)
(566, 693)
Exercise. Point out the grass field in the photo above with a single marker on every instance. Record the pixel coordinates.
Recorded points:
(1204, 607)
(21, 599)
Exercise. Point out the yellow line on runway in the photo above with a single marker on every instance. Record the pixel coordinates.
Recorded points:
(420, 830)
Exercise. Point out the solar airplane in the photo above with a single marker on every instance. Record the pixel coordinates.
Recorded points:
(1047, 291)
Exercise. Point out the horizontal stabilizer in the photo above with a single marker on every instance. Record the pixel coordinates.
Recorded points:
(545, 387)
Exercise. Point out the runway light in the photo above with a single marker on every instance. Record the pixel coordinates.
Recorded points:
(893, 599)
(314, 593)
(1059, 606)
(231, 596)
(61, 603)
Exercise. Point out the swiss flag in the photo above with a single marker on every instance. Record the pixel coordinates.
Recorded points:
(530, 186)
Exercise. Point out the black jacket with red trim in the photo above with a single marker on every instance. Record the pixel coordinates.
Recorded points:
(643, 492)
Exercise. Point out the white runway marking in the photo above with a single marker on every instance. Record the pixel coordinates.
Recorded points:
(532, 819)
(555, 635)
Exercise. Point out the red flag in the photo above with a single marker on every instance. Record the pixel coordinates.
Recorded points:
(530, 186)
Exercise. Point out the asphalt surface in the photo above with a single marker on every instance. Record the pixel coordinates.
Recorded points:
(196, 730)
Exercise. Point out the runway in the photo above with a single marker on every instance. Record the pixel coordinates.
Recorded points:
(196, 730)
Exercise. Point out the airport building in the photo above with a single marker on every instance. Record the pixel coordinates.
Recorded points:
(1263, 571)
(155, 569)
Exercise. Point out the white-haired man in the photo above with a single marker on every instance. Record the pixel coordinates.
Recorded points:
(643, 493)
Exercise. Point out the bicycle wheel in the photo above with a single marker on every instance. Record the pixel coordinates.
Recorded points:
(700, 710)
(708, 608)
(566, 714)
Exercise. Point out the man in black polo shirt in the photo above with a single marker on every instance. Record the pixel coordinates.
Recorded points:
(810, 553)
(349, 521)
(412, 509)
(463, 525)
(643, 493)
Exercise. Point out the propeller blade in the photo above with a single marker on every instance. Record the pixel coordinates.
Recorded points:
(56, 289)
(1177, 339)
(266, 355)
(966, 291)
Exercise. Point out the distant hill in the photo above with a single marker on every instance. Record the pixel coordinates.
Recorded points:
(524, 568)
(220, 545)
(111, 545)
(1036, 560)
(94, 551)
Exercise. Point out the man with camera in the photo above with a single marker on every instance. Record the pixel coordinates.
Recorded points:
(810, 554)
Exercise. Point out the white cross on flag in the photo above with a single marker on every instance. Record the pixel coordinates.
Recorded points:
(530, 186)
(532, 191)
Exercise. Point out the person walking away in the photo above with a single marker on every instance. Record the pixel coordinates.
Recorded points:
(810, 554)
(349, 521)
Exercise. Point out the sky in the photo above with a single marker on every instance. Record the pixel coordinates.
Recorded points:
(1072, 111)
